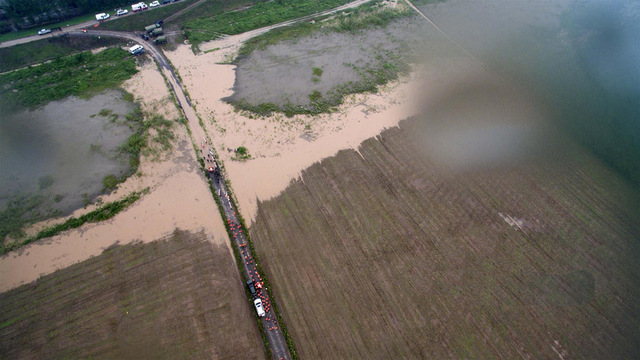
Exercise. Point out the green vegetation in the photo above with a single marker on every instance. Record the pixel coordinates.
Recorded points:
(8, 36)
(18, 213)
(242, 154)
(78, 75)
(137, 21)
(103, 213)
(109, 182)
(317, 72)
(36, 52)
(259, 15)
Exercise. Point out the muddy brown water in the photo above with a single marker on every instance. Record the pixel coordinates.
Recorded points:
(63, 150)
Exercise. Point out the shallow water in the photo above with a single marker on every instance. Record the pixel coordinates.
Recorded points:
(63, 150)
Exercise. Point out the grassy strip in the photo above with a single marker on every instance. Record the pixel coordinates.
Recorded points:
(37, 52)
(78, 75)
(103, 213)
(260, 15)
(34, 31)
(137, 21)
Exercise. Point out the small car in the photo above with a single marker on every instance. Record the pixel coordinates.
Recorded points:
(122, 12)
(144, 36)
(252, 289)
(154, 4)
(259, 308)
(44, 31)
(164, 2)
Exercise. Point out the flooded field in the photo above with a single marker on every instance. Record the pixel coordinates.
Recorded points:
(325, 62)
(58, 155)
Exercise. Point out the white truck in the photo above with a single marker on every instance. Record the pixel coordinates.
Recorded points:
(102, 16)
(139, 7)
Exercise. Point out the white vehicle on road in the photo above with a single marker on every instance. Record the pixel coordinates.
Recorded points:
(102, 16)
(136, 50)
(139, 6)
(44, 31)
(259, 308)
(122, 12)
(154, 4)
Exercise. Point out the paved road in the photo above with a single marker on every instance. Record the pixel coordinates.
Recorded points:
(88, 24)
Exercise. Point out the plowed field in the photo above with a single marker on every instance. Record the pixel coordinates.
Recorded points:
(379, 254)
(176, 298)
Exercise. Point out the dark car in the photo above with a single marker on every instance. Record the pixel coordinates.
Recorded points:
(252, 289)
(144, 36)
(164, 2)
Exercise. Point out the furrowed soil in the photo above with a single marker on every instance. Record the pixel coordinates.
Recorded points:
(175, 298)
(380, 254)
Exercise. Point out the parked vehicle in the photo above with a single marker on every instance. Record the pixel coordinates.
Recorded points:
(144, 36)
(44, 31)
(154, 4)
(259, 308)
(156, 32)
(159, 22)
(252, 288)
(102, 16)
(136, 50)
(139, 6)
(160, 40)
(164, 2)
(150, 28)
(122, 12)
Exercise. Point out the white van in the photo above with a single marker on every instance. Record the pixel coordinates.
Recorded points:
(139, 7)
(259, 308)
(136, 50)
(102, 16)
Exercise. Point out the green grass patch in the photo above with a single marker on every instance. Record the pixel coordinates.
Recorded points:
(78, 75)
(137, 21)
(37, 52)
(103, 213)
(259, 15)
(34, 31)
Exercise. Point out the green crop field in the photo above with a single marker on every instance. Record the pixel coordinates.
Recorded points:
(176, 298)
(379, 254)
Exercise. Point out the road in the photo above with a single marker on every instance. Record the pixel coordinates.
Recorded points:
(270, 323)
